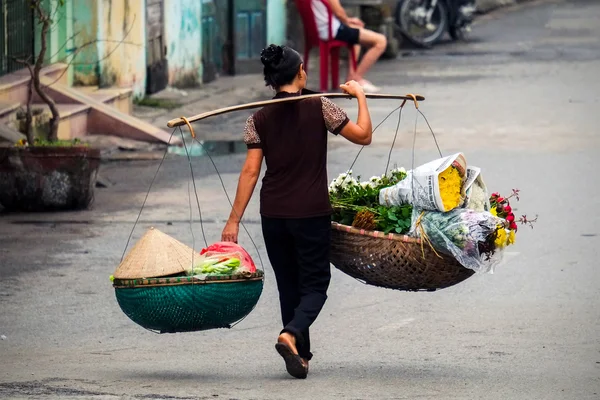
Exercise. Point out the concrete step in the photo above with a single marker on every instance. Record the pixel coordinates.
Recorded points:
(86, 110)
(73, 119)
(104, 119)
(13, 87)
(119, 98)
(7, 108)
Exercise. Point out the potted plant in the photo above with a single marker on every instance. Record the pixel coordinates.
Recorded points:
(43, 173)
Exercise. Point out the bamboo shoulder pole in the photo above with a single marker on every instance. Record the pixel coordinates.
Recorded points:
(182, 120)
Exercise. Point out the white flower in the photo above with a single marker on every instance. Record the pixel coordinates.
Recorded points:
(401, 169)
(349, 182)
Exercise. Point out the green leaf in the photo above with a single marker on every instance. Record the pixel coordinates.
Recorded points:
(392, 216)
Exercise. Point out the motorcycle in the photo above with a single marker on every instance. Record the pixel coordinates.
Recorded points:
(424, 22)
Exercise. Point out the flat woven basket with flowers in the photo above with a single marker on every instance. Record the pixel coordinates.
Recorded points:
(393, 261)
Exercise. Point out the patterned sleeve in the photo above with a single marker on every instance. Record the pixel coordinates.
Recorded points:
(335, 117)
(251, 137)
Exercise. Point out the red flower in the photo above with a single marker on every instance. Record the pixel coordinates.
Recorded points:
(513, 226)
(510, 218)
(494, 195)
(507, 208)
(500, 199)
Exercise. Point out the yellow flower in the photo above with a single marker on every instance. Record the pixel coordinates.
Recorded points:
(494, 212)
(511, 237)
(450, 183)
(502, 238)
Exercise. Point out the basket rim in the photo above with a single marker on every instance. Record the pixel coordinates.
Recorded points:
(377, 234)
(186, 280)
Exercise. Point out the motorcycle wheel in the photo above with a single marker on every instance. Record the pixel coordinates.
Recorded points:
(415, 31)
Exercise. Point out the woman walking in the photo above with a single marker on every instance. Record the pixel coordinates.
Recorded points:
(294, 200)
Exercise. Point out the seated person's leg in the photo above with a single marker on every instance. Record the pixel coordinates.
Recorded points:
(376, 44)
(350, 34)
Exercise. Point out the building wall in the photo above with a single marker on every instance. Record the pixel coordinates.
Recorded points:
(122, 44)
(183, 34)
(276, 25)
(59, 40)
(109, 44)
(85, 23)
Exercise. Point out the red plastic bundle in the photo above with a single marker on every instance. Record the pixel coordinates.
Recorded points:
(229, 248)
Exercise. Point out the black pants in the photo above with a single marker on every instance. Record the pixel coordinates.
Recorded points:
(299, 253)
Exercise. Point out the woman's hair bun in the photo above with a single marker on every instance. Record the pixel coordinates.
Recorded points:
(271, 56)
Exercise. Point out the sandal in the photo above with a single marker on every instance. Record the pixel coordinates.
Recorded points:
(296, 366)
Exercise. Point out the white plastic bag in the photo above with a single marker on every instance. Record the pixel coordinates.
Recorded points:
(421, 186)
(477, 197)
(461, 233)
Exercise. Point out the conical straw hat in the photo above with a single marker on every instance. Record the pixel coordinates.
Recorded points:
(156, 254)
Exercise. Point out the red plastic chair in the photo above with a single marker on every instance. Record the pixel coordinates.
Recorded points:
(327, 48)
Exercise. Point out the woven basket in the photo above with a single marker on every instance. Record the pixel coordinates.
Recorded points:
(185, 304)
(393, 261)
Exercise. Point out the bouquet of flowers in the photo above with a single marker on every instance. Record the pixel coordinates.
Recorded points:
(474, 227)
(435, 186)
(356, 203)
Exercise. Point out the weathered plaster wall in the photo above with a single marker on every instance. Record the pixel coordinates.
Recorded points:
(59, 40)
(85, 27)
(276, 21)
(121, 45)
(183, 34)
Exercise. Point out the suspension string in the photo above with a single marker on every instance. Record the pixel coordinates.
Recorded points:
(147, 193)
(387, 166)
(412, 164)
(190, 180)
(224, 189)
(195, 189)
(374, 129)
(240, 219)
(230, 202)
(432, 134)
(416, 103)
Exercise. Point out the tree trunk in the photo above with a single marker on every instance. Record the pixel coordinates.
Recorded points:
(45, 21)
(28, 117)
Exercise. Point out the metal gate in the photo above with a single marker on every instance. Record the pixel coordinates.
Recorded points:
(16, 35)
(157, 72)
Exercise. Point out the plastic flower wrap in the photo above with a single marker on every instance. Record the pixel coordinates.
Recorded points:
(435, 186)
(461, 233)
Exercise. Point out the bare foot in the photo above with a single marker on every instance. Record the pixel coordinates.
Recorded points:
(289, 340)
(295, 365)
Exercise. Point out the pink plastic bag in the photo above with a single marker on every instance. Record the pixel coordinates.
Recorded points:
(228, 248)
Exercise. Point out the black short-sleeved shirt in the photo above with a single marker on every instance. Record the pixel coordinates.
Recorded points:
(293, 138)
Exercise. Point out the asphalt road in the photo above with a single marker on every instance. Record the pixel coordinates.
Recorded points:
(520, 101)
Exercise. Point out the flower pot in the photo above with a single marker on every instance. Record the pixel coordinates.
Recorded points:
(48, 178)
